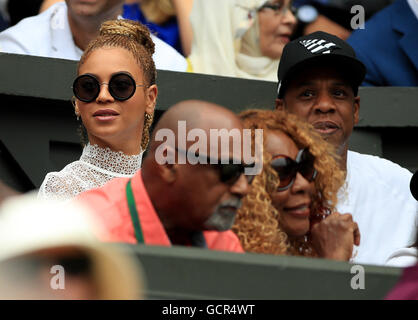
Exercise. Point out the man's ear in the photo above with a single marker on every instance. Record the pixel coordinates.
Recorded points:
(356, 107)
(279, 104)
(169, 170)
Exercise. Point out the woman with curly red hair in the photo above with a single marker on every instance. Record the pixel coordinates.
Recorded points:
(291, 206)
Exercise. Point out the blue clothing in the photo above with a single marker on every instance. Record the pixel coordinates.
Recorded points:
(298, 3)
(388, 46)
(168, 32)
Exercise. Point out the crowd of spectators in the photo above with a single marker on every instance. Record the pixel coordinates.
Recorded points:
(312, 197)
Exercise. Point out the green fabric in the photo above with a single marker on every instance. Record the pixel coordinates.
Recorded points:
(134, 213)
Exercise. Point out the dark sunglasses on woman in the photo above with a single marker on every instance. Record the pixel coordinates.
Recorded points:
(229, 173)
(288, 168)
(121, 86)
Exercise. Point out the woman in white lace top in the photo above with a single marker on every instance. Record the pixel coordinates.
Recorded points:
(115, 96)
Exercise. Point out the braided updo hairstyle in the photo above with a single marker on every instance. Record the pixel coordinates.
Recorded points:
(136, 38)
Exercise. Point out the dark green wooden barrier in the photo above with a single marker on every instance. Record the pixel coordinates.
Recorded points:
(189, 273)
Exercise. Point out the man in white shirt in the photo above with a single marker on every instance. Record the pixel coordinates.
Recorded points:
(319, 77)
(65, 29)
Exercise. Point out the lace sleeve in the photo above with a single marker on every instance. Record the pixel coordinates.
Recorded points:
(56, 187)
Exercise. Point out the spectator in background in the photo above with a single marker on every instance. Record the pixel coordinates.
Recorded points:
(168, 19)
(37, 238)
(240, 38)
(319, 77)
(332, 16)
(115, 96)
(179, 203)
(290, 208)
(388, 46)
(66, 28)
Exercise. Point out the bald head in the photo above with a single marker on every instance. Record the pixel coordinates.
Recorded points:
(190, 146)
(197, 115)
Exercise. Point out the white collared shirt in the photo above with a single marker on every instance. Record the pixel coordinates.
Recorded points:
(49, 35)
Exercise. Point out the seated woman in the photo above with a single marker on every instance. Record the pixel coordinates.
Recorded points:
(240, 38)
(290, 207)
(115, 96)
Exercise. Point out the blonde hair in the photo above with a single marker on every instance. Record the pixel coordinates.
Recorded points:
(257, 222)
(136, 38)
(158, 11)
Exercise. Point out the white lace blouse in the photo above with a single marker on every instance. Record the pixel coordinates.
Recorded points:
(96, 167)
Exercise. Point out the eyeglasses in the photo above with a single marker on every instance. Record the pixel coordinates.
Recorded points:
(278, 7)
(288, 168)
(121, 86)
(229, 172)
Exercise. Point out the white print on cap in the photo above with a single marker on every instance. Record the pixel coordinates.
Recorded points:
(279, 86)
(318, 46)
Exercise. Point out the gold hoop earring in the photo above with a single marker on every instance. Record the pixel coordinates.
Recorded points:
(148, 118)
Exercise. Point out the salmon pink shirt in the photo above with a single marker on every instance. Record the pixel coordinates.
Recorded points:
(110, 205)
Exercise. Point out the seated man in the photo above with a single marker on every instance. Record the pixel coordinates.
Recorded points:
(172, 202)
(319, 77)
(65, 29)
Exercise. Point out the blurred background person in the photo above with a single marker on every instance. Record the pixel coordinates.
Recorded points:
(49, 251)
(167, 19)
(388, 46)
(242, 38)
(65, 29)
(115, 96)
(290, 208)
(332, 16)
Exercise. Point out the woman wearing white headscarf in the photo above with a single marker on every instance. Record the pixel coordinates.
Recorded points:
(240, 38)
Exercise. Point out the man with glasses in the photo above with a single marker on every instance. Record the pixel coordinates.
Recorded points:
(177, 202)
(66, 28)
(319, 77)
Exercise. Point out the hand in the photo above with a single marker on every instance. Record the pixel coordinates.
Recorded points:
(335, 236)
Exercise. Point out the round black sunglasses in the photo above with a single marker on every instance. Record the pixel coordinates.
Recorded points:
(122, 86)
(287, 168)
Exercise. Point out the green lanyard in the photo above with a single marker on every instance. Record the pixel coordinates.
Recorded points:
(134, 213)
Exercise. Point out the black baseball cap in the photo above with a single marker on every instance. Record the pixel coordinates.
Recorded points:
(319, 48)
(414, 185)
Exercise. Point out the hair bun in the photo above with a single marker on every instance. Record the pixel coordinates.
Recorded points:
(131, 29)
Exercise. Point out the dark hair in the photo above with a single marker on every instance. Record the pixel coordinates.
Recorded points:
(129, 35)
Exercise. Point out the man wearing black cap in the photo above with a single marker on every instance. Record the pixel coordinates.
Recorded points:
(319, 77)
